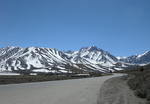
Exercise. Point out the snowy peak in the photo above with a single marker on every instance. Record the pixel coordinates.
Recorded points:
(96, 54)
(92, 48)
(147, 53)
(137, 59)
(93, 56)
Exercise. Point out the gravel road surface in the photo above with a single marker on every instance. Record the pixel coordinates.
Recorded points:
(76, 91)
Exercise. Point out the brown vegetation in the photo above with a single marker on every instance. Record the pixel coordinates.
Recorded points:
(139, 81)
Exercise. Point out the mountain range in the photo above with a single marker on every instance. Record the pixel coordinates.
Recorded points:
(51, 60)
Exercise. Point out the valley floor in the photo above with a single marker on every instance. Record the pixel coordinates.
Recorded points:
(116, 91)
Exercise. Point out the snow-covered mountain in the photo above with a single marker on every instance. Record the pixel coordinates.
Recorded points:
(32, 58)
(93, 57)
(87, 59)
(137, 59)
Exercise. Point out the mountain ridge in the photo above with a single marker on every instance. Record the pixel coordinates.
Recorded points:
(87, 59)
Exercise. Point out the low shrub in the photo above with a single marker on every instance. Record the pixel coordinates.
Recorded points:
(139, 81)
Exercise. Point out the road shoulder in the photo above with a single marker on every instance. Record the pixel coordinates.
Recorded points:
(116, 91)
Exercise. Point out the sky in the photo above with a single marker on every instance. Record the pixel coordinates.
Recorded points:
(121, 27)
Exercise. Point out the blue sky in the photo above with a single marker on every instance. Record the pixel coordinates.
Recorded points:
(121, 27)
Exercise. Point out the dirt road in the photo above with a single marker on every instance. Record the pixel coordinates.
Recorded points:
(77, 91)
